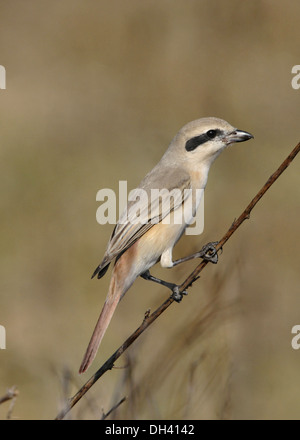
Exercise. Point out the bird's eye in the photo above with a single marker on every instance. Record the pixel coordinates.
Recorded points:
(211, 133)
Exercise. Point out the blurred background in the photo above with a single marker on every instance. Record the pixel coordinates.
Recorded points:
(95, 91)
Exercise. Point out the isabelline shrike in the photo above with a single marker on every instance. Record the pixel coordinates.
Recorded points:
(137, 245)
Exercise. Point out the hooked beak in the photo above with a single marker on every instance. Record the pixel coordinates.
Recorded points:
(238, 136)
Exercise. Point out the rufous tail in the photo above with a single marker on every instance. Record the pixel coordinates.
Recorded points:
(107, 312)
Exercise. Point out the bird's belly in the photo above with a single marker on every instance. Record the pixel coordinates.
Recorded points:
(156, 241)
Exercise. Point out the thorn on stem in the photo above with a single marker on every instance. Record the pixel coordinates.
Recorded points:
(147, 314)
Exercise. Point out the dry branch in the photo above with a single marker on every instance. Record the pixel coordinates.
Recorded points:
(104, 416)
(150, 318)
(10, 394)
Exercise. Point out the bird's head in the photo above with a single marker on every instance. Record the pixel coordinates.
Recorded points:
(202, 140)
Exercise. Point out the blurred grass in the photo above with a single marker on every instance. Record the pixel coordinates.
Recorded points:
(95, 92)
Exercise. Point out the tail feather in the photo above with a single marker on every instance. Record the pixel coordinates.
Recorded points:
(101, 269)
(100, 329)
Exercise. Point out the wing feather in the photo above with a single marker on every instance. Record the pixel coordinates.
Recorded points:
(144, 209)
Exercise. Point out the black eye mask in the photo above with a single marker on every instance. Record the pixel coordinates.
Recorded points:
(194, 142)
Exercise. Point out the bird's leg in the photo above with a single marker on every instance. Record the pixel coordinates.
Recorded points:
(207, 253)
(176, 294)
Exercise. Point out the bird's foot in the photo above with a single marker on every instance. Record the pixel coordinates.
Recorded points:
(209, 252)
(177, 295)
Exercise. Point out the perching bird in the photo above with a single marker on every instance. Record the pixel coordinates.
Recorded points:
(137, 246)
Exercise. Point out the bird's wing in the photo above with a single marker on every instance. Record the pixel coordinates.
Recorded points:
(144, 209)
